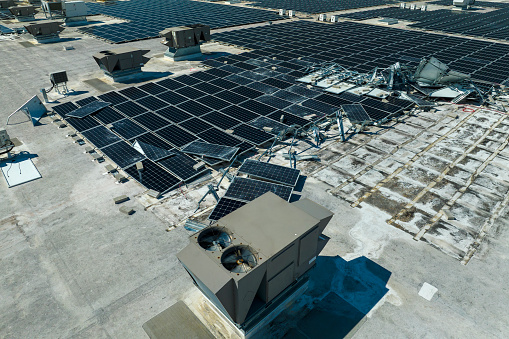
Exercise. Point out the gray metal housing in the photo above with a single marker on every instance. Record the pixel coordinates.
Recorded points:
(286, 237)
(121, 60)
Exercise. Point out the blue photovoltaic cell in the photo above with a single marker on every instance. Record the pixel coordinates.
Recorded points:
(130, 108)
(88, 109)
(82, 124)
(195, 125)
(252, 134)
(151, 121)
(108, 115)
(174, 114)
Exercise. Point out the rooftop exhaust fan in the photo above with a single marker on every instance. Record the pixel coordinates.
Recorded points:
(183, 42)
(214, 239)
(239, 259)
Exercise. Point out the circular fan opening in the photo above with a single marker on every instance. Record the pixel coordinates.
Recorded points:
(214, 239)
(239, 259)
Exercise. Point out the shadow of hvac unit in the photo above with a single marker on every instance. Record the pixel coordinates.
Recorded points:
(45, 32)
(183, 42)
(121, 63)
(252, 257)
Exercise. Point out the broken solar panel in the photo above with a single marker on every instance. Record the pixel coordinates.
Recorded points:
(88, 109)
(355, 113)
(275, 173)
(211, 150)
(122, 154)
(182, 166)
(153, 177)
(224, 207)
(249, 189)
(269, 125)
(152, 152)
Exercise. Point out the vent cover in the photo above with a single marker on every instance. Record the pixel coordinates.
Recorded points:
(239, 259)
(214, 239)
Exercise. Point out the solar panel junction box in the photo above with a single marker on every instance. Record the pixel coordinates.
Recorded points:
(120, 199)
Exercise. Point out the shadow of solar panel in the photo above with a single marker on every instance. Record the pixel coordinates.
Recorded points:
(127, 129)
(213, 151)
(176, 135)
(220, 120)
(195, 125)
(152, 103)
(273, 127)
(130, 108)
(64, 108)
(151, 121)
(81, 125)
(152, 88)
(133, 93)
(253, 135)
(224, 207)
(100, 136)
(288, 118)
(108, 115)
(246, 189)
(182, 166)
(112, 97)
(355, 113)
(274, 173)
(174, 114)
(154, 177)
(122, 154)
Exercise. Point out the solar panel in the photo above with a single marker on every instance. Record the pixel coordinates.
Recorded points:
(288, 118)
(240, 113)
(88, 109)
(82, 124)
(274, 126)
(224, 207)
(174, 114)
(152, 88)
(131, 109)
(355, 113)
(122, 154)
(195, 125)
(154, 177)
(100, 136)
(182, 166)
(216, 136)
(231, 97)
(151, 121)
(152, 103)
(133, 93)
(172, 97)
(211, 150)
(108, 115)
(213, 102)
(127, 129)
(246, 189)
(194, 108)
(151, 151)
(274, 173)
(64, 108)
(220, 120)
(190, 92)
(176, 135)
(112, 97)
(252, 134)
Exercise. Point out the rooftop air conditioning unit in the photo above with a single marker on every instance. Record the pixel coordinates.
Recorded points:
(23, 13)
(183, 42)
(121, 62)
(45, 32)
(251, 257)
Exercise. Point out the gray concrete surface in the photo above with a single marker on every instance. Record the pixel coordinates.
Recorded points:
(73, 266)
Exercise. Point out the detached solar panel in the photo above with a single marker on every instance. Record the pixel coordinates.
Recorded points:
(153, 177)
(182, 166)
(88, 109)
(355, 113)
(275, 173)
(211, 150)
(122, 154)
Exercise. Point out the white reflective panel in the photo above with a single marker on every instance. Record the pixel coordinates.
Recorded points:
(19, 170)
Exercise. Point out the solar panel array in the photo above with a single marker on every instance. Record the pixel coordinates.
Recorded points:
(363, 47)
(492, 24)
(319, 6)
(146, 18)
(277, 179)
